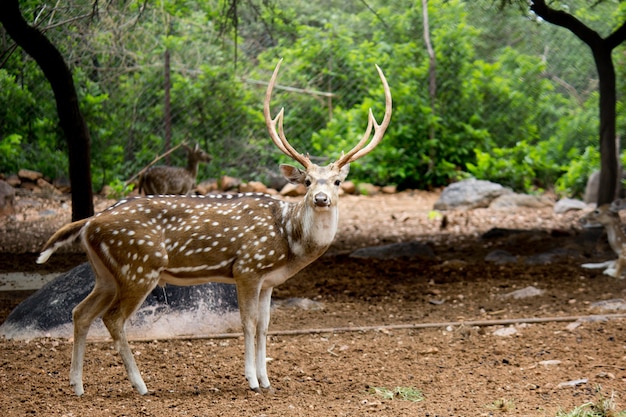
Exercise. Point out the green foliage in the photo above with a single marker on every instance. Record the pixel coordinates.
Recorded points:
(574, 180)
(119, 189)
(11, 152)
(522, 167)
(516, 99)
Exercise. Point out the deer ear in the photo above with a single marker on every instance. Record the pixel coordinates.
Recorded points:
(343, 172)
(293, 174)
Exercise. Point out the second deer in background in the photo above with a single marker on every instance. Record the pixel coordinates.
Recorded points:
(163, 180)
(607, 216)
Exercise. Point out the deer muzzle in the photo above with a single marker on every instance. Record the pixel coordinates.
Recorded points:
(321, 200)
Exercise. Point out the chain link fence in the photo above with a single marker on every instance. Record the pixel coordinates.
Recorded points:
(99, 46)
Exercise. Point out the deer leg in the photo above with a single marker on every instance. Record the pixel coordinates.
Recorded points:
(619, 266)
(83, 315)
(265, 300)
(115, 320)
(248, 299)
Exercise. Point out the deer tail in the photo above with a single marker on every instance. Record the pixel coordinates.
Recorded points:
(65, 235)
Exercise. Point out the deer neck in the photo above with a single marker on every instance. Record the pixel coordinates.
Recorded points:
(192, 167)
(310, 231)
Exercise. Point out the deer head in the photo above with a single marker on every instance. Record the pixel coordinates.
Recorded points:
(323, 182)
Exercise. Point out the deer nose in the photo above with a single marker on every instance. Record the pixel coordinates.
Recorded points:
(321, 200)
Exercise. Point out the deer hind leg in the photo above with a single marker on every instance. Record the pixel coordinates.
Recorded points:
(127, 301)
(265, 300)
(83, 315)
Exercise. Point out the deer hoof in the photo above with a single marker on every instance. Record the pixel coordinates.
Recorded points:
(268, 390)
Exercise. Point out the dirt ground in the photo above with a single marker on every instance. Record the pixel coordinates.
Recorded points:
(422, 324)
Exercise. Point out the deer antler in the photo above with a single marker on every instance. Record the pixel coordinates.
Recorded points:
(278, 137)
(379, 129)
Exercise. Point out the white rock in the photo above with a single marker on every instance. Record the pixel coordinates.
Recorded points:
(505, 331)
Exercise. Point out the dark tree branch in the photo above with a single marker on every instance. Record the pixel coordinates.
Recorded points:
(566, 20)
(616, 38)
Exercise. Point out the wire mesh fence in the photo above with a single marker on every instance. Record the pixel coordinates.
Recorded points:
(149, 80)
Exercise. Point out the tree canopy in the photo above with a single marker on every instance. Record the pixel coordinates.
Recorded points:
(516, 102)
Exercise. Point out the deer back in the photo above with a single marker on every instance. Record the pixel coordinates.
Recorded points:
(195, 239)
(162, 180)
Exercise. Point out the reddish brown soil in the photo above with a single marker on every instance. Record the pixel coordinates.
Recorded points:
(461, 368)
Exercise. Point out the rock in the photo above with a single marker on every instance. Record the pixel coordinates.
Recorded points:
(229, 183)
(500, 257)
(7, 199)
(549, 363)
(207, 186)
(549, 257)
(469, 194)
(293, 190)
(30, 186)
(46, 187)
(573, 383)
(615, 304)
(274, 180)
(593, 185)
(527, 292)
(27, 174)
(500, 232)
(51, 306)
(253, 187)
(389, 189)
(348, 187)
(365, 188)
(513, 200)
(505, 331)
(566, 204)
(63, 185)
(13, 180)
(395, 250)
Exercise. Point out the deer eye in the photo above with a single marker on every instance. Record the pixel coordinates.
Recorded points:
(337, 183)
(307, 183)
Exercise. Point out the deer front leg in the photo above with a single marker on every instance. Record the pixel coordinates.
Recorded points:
(248, 299)
(265, 300)
(619, 266)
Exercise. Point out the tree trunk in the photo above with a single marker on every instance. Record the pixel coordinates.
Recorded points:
(71, 120)
(609, 176)
(601, 49)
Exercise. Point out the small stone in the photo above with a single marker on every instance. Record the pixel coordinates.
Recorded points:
(505, 331)
(29, 174)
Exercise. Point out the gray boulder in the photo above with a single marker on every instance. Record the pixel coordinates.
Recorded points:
(470, 194)
(513, 200)
(395, 250)
(51, 306)
(566, 204)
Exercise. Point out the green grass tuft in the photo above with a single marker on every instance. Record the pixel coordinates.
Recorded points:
(400, 393)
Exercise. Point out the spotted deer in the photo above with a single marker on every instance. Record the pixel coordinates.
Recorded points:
(251, 240)
(609, 218)
(163, 180)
